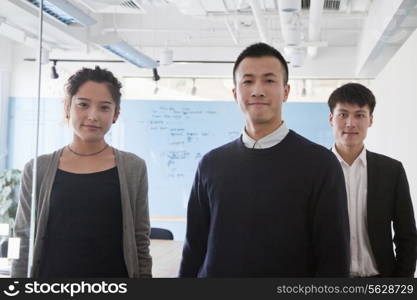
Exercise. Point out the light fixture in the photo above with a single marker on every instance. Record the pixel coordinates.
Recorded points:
(155, 76)
(54, 73)
(65, 12)
(194, 89)
(113, 43)
(303, 89)
(289, 5)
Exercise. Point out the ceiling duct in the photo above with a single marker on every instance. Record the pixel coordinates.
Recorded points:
(314, 25)
(290, 21)
(289, 6)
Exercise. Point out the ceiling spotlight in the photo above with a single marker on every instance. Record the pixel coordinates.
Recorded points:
(156, 76)
(303, 89)
(156, 89)
(194, 89)
(54, 74)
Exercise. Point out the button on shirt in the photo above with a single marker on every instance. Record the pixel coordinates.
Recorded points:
(267, 141)
(356, 180)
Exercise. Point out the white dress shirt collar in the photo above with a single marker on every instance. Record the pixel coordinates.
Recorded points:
(361, 157)
(267, 141)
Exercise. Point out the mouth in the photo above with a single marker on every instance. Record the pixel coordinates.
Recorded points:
(258, 104)
(91, 126)
(350, 133)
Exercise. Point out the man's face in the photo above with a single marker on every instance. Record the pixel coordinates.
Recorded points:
(260, 90)
(350, 124)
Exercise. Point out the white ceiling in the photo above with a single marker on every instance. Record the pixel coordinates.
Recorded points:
(354, 38)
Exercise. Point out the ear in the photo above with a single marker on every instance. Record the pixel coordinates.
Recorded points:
(371, 120)
(287, 89)
(67, 108)
(331, 119)
(116, 114)
(234, 94)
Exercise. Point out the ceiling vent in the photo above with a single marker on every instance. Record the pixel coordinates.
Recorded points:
(114, 6)
(328, 4)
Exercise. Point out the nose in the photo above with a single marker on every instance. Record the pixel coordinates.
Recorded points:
(350, 121)
(258, 90)
(92, 115)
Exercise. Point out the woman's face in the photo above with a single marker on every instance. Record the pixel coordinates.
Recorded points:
(92, 111)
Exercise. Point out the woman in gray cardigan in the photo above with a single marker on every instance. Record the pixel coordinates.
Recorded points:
(92, 215)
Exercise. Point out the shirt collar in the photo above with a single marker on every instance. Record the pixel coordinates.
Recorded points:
(267, 141)
(361, 157)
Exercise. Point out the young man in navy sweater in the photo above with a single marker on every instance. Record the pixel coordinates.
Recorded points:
(377, 191)
(271, 203)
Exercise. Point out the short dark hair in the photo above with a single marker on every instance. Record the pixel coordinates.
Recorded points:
(260, 50)
(98, 75)
(352, 93)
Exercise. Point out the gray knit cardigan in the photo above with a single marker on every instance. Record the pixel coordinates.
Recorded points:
(134, 197)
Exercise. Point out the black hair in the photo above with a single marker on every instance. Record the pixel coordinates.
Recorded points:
(260, 50)
(352, 93)
(98, 75)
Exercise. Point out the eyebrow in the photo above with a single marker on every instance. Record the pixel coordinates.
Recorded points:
(356, 111)
(263, 75)
(87, 99)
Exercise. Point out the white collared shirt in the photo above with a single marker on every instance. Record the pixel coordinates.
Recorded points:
(267, 141)
(356, 180)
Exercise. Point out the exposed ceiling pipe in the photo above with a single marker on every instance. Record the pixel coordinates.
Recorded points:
(259, 19)
(314, 25)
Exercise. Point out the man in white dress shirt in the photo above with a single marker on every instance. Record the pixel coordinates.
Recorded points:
(377, 191)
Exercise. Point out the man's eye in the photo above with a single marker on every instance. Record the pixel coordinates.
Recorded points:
(270, 81)
(82, 104)
(105, 108)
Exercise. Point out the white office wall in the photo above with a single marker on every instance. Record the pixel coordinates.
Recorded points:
(6, 58)
(394, 132)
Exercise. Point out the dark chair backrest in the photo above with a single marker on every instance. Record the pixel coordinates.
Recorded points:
(161, 234)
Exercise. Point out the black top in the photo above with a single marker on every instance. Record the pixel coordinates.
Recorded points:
(84, 230)
(276, 212)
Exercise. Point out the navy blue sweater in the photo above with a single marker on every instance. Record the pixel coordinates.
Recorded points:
(276, 212)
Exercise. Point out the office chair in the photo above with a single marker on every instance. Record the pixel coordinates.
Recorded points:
(161, 234)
